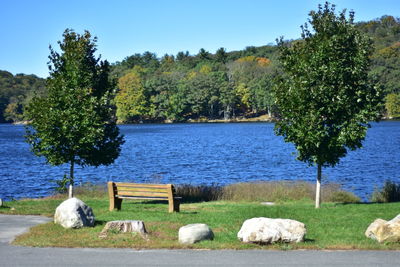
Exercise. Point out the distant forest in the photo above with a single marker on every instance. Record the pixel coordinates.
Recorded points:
(207, 86)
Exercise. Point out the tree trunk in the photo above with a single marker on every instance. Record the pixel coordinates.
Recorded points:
(227, 112)
(71, 180)
(318, 188)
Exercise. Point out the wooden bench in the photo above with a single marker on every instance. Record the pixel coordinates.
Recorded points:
(119, 191)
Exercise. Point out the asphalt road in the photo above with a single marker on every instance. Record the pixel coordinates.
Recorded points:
(26, 256)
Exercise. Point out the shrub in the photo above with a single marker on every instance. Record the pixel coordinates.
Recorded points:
(91, 190)
(390, 192)
(61, 187)
(198, 193)
(335, 193)
(342, 197)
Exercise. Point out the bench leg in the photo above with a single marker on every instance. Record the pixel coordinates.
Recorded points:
(115, 203)
(118, 203)
(112, 204)
(177, 204)
(173, 205)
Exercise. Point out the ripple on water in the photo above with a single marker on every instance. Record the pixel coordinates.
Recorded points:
(203, 154)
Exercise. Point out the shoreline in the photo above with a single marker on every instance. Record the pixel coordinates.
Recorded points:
(262, 118)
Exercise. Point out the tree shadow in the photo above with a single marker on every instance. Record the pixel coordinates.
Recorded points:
(361, 203)
(144, 202)
(99, 222)
(309, 240)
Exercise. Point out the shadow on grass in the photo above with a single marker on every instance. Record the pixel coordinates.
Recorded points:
(361, 203)
(99, 222)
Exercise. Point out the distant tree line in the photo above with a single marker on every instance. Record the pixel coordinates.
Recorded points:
(16, 92)
(220, 85)
(182, 87)
(385, 33)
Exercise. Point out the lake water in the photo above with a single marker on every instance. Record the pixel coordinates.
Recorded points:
(203, 154)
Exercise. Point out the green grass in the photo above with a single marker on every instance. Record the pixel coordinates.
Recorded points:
(334, 226)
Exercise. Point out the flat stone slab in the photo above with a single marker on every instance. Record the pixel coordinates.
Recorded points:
(128, 226)
(267, 203)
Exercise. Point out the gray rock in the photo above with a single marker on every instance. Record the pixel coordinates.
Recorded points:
(74, 213)
(192, 233)
(384, 231)
(124, 227)
(267, 231)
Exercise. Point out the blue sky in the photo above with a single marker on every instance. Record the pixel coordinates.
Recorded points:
(125, 27)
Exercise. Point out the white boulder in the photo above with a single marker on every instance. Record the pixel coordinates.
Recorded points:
(384, 231)
(267, 231)
(74, 213)
(371, 231)
(129, 226)
(192, 233)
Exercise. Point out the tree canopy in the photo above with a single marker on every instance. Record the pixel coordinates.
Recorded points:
(325, 97)
(75, 123)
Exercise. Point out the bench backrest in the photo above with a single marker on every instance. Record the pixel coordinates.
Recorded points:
(162, 191)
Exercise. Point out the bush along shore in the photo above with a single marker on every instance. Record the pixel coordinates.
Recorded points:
(340, 223)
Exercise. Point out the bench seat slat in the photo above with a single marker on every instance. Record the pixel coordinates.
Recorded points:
(164, 186)
(144, 198)
(156, 198)
(141, 189)
(144, 194)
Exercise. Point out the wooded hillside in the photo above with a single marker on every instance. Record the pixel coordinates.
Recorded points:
(220, 85)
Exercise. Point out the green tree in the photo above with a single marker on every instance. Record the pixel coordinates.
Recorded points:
(261, 94)
(325, 97)
(228, 99)
(14, 110)
(203, 54)
(393, 105)
(131, 100)
(203, 95)
(75, 122)
(252, 81)
(182, 55)
(168, 97)
(221, 55)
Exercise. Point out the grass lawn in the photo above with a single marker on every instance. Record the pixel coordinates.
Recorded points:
(334, 226)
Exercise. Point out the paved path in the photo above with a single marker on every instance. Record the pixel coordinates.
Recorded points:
(14, 225)
(27, 256)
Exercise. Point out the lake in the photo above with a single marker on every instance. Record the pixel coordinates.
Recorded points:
(203, 154)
